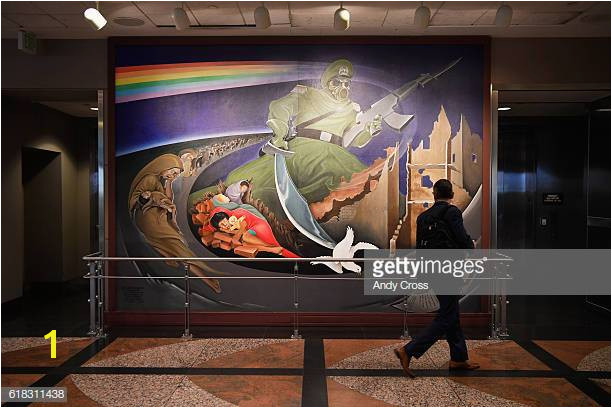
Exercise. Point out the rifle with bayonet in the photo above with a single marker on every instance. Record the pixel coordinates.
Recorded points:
(385, 107)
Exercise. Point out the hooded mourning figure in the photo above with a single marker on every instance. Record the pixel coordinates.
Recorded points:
(152, 208)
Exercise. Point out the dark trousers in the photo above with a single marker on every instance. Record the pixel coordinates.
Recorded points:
(446, 324)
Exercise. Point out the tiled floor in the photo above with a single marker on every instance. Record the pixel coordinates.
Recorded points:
(315, 371)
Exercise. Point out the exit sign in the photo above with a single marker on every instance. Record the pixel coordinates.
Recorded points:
(26, 42)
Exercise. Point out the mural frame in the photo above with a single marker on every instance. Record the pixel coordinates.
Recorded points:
(114, 317)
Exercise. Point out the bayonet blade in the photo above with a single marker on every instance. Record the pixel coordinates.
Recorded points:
(448, 67)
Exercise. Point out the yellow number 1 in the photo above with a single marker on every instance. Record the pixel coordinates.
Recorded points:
(53, 342)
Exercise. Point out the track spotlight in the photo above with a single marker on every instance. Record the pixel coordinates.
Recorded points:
(181, 20)
(503, 17)
(342, 19)
(422, 15)
(504, 108)
(96, 18)
(262, 17)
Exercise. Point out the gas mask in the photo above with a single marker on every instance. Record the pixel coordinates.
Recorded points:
(339, 88)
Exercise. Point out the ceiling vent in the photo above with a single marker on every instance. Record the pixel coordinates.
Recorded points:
(128, 21)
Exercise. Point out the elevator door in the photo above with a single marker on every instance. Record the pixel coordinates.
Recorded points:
(541, 180)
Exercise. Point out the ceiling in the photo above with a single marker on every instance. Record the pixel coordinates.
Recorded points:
(64, 19)
(550, 102)
(74, 102)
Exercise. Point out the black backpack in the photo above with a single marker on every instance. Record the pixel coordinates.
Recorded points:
(435, 232)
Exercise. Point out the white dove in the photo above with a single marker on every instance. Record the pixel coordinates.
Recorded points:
(345, 249)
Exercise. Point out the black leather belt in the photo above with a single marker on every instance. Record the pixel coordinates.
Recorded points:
(318, 135)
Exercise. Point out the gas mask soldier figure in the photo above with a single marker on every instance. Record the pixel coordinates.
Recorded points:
(324, 113)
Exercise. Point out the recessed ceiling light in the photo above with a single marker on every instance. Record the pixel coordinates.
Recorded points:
(504, 108)
(128, 21)
(93, 108)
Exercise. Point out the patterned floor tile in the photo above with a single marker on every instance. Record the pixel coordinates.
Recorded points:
(189, 394)
(598, 360)
(20, 343)
(573, 352)
(75, 397)
(179, 353)
(121, 346)
(337, 350)
(538, 392)
(339, 395)
(604, 383)
(472, 397)
(127, 390)
(20, 380)
(503, 355)
(491, 354)
(253, 390)
(405, 392)
(280, 354)
(40, 355)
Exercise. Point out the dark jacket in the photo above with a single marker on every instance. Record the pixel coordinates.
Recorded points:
(453, 218)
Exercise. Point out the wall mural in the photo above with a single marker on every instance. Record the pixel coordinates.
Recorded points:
(286, 151)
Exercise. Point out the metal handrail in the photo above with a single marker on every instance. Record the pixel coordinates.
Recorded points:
(94, 257)
(88, 276)
(229, 259)
(97, 287)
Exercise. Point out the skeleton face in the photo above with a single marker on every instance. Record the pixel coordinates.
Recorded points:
(340, 88)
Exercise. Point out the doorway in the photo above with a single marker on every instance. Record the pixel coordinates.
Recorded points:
(42, 205)
(545, 199)
(541, 186)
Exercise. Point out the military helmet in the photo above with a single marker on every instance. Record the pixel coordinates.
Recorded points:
(338, 68)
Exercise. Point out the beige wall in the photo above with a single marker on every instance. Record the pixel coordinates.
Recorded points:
(81, 64)
(34, 125)
(60, 64)
(550, 63)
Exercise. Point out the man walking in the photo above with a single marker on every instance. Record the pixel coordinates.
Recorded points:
(441, 227)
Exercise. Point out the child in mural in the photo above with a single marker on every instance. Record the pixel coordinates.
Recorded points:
(236, 191)
(247, 223)
(152, 208)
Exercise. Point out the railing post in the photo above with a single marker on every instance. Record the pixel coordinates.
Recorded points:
(495, 306)
(296, 304)
(100, 298)
(186, 332)
(92, 300)
(503, 309)
(405, 335)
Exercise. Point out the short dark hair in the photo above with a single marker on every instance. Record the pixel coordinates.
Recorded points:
(217, 218)
(443, 189)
